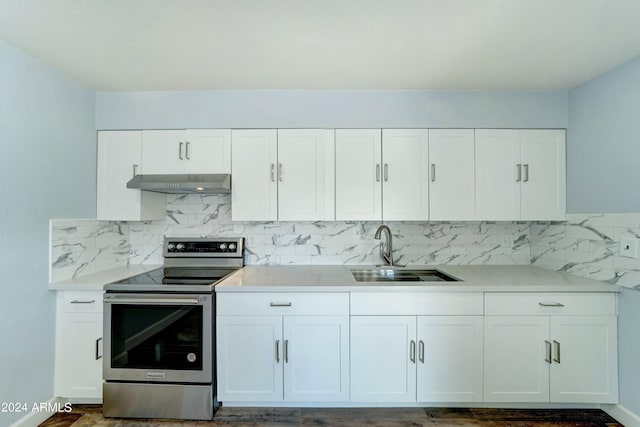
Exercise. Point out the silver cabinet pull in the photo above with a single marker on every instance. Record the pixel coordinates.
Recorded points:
(377, 172)
(526, 172)
(550, 304)
(180, 151)
(186, 150)
(280, 172)
(412, 351)
(548, 346)
(433, 172)
(519, 172)
(78, 301)
(273, 172)
(286, 351)
(557, 358)
(280, 304)
(98, 355)
(386, 172)
(277, 346)
(135, 170)
(421, 351)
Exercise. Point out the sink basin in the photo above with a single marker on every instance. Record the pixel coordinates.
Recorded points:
(401, 275)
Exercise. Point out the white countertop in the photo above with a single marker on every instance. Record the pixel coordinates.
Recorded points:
(481, 278)
(96, 281)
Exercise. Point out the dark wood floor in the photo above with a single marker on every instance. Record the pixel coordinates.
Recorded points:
(91, 415)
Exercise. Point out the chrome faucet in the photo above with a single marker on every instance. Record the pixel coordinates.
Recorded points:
(386, 247)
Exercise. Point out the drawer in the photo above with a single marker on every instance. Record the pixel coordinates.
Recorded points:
(301, 303)
(417, 303)
(550, 303)
(80, 301)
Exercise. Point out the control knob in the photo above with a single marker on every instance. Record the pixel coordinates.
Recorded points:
(223, 246)
(180, 246)
(171, 246)
(232, 246)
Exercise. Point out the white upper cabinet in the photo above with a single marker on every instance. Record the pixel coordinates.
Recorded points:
(358, 174)
(254, 162)
(452, 174)
(520, 174)
(193, 151)
(119, 159)
(405, 174)
(284, 175)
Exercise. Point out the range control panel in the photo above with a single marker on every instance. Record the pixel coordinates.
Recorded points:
(188, 247)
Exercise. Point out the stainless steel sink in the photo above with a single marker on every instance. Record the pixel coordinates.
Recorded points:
(401, 275)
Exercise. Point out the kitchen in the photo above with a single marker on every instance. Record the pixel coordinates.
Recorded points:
(49, 139)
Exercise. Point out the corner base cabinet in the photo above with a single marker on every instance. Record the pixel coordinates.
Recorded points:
(78, 353)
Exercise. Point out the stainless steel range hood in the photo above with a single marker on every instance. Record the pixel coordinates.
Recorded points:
(183, 183)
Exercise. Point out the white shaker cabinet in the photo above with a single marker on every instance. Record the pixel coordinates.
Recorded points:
(284, 174)
(548, 347)
(190, 151)
(119, 160)
(520, 174)
(452, 175)
(78, 353)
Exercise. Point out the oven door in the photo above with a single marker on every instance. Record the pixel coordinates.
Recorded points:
(158, 337)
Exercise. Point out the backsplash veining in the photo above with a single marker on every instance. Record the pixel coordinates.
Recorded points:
(584, 245)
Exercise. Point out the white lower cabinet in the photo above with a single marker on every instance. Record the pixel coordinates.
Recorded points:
(78, 354)
(550, 348)
(290, 357)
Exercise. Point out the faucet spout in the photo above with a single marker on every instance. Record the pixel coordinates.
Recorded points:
(386, 246)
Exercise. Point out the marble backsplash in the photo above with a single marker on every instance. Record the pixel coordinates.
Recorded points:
(585, 245)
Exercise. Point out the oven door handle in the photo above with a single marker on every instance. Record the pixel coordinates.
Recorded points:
(150, 300)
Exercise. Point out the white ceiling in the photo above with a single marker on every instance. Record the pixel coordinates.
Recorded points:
(113, 45)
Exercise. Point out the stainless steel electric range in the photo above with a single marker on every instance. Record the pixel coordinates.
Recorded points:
(159, 356)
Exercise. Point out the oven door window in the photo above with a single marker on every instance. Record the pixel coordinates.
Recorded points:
(156, 337)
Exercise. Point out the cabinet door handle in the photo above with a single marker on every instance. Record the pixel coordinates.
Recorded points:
(286, 351)
(386, 172)
(280, 304)
(277, 346)
(421, 351)
(550, 304)
(519, 172)
(78, 301)
(412, 351)
(135, 170)
(180, 151)
(377, 172)
(548, 348)
(433, 172)
(557, 358)
(273, 172)
(280, 172)
(186, 150)
(526, 172)
(98, 355)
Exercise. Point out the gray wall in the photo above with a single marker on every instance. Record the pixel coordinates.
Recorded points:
(331, 109)
(603, 175)
(47, 170)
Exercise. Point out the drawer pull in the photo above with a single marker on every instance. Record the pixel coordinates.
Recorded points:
(421, 351)
(550, 304)
(557, 358)
(286, 351)
(548, 345)
(78, 301)
(412, 351)
(277, 346)
(280, 304)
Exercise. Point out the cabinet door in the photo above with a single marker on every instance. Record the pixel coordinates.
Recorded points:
(358, 174)
(543, 182)
(249, 351)
(119, 157)
(498, 174)
(405, 174)
(383, 358)
(452, 174)
(450, 359)
(305, 175)
(208, 151)
(163, 152)
(584, 368)
(515, 369)
(253, 164)
(316, 358)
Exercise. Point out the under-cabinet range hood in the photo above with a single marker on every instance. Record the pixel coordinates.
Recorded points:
(183, 183)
